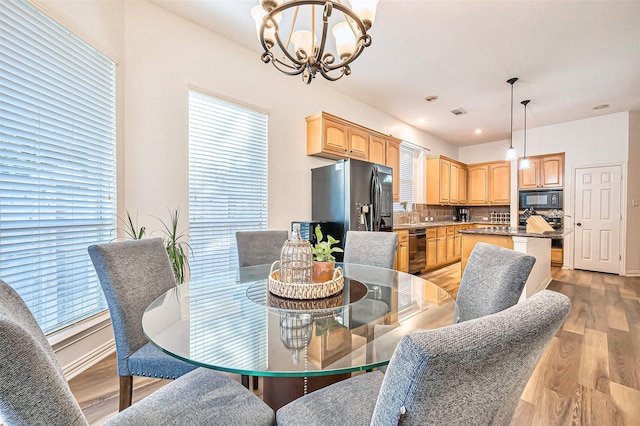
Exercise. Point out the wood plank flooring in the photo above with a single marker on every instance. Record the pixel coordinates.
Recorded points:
(589, 375)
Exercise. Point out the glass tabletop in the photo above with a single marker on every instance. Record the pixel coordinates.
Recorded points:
(231, 322)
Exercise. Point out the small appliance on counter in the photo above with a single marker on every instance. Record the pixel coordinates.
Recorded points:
(463, 215)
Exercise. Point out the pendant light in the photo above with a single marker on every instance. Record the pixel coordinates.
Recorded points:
(524, 163)
(511, 152)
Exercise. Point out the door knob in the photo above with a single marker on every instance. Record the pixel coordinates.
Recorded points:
(578, 224)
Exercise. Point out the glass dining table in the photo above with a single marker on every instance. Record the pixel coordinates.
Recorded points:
(231, 322)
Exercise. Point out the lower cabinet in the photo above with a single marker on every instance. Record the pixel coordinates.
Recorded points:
(432, 258)
(402, 252)
(444, 245)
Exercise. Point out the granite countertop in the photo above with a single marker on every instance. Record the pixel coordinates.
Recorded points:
(520, 231)
(442, 223)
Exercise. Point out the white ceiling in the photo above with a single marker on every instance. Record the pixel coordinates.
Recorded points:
(569, 56)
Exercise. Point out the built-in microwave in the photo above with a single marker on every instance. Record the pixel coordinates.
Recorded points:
(541, 200)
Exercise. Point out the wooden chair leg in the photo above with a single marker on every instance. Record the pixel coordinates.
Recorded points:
(255, 382)
(245, 380)
(126, 392)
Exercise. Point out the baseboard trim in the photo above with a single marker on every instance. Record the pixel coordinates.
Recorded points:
(632, 273)
(90, 359)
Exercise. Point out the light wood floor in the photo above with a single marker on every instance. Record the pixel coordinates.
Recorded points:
(589, 375)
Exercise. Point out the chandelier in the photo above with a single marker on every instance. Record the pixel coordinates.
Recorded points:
(302, 49)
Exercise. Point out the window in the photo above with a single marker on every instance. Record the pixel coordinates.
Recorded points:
(57, 164)
(227, 180)
(408, 156)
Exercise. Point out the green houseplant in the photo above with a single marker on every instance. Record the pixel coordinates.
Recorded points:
(177, 248)
(323, 259)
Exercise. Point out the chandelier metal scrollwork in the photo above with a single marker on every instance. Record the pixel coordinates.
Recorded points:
(301, 51)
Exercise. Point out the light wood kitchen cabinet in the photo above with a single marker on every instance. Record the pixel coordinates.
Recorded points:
(402, 252)
(462, 185)
(457, 244)
(393, 160)
(547, 171)
(500, 182)
(454, 183)
(441, 245)
(443, 180)
(432, 258)
(332, 137)
(478, 188)
(377, 150)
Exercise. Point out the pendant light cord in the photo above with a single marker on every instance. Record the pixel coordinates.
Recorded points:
(511, 81)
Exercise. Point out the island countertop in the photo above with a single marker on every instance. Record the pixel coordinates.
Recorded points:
(520, 231)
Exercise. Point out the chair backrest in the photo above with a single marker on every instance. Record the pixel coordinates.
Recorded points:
(371, 248)
(33, 390)
(492, 280)
(472, 372)
(259, 247)
(132, 274)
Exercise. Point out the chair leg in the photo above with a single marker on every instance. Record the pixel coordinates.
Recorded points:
(245, 380)
(126, 392)
(255, 382)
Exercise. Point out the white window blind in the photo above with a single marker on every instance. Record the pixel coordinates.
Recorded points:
(407, 175)
(227, 179)
(57, 164)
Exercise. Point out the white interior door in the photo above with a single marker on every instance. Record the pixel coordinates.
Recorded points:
(597, 219)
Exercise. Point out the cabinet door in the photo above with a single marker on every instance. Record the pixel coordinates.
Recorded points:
(530, 178)
(445, 173)
(336, 137)
(451, 247)
(358, 144)
(393, 161)
(457, 251)
(552, 171)
(454, 183)
(478, 192)
(403, 257)
(432, 259)
(441, 250)
(377, 150)
(462, 185)
(500, 182)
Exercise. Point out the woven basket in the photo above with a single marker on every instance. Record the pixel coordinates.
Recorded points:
(305, 291)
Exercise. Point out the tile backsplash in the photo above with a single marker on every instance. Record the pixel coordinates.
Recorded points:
(425, 213)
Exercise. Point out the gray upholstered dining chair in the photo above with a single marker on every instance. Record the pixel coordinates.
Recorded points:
(132, 275)
(371, 248)
(492, 280)
(258, 248)
(33, 390)
(467, 373)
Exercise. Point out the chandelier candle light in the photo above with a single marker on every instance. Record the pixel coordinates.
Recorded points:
(511, 152)
(524, 163)
(301, 50)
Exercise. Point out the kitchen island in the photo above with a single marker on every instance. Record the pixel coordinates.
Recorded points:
(518, 239)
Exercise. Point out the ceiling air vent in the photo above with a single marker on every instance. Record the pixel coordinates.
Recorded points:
(458, 111)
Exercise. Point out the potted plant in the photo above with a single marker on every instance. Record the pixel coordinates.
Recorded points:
(323, 259)
(177, 249)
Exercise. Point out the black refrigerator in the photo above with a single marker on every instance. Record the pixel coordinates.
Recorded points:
(352, 195)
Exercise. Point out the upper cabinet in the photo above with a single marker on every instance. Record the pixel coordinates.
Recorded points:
(547, 171)
(332, 137)
(489, 183)
(446, 181)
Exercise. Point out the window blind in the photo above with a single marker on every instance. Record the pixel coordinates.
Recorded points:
(407, 172)
(57, 164)
(227, 179)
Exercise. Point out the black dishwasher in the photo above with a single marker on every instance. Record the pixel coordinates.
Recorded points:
(417, 249)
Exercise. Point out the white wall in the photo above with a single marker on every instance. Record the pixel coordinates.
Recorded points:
(165, 55)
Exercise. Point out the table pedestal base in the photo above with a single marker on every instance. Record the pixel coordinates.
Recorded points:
(279, 391)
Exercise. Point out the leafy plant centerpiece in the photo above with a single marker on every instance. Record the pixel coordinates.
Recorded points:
(323, 257)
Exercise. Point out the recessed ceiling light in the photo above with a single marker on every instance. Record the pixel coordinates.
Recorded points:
(421, 121)
(431, 98)
(601, 106)
(478, 131)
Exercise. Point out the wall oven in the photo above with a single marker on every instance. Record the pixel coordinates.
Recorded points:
(417, 249)
(541, 200)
